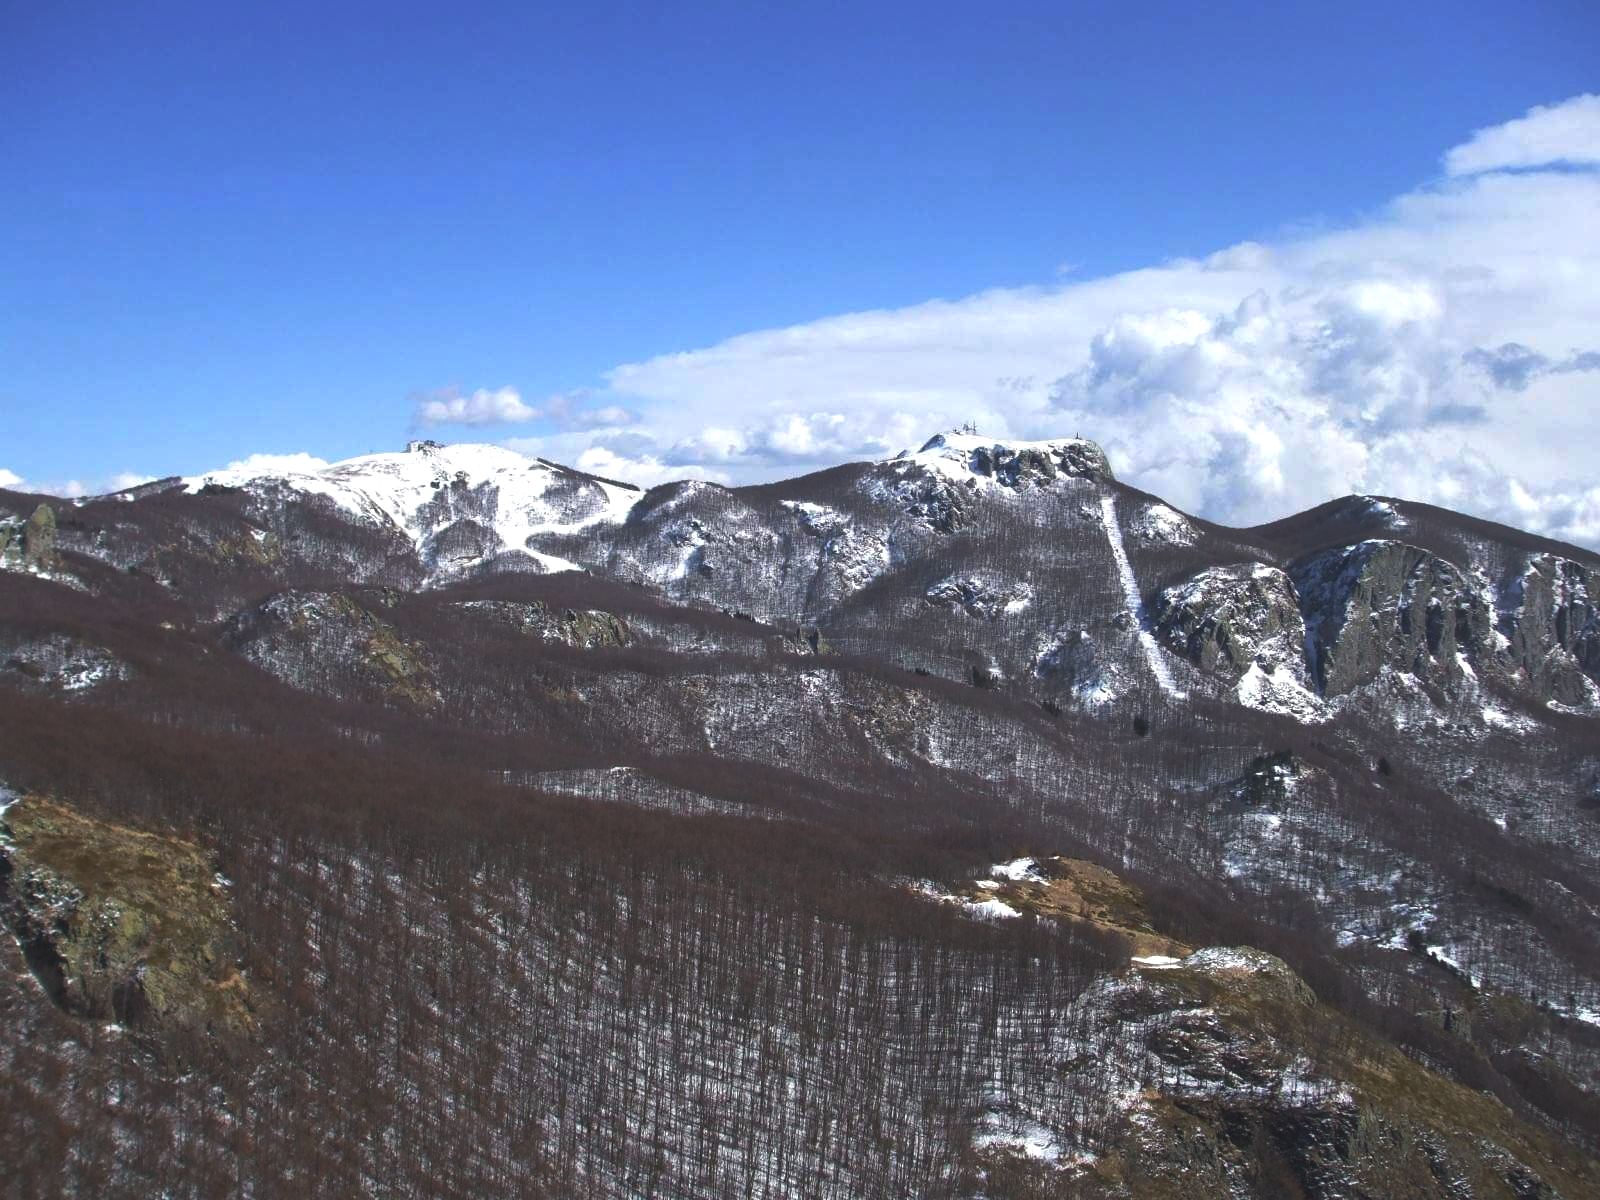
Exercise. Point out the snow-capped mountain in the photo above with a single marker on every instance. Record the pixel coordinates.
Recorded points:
(686, 795)
(461, 506)
(991, 556)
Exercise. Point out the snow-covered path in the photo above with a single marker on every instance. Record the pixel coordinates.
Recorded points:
(1130, 589)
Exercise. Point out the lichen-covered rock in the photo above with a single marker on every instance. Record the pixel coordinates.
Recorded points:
(39, 539)
(583, 629)
(1226, 618)
(121, 923)
(327, 642)
(30, 544)
(1387, 604)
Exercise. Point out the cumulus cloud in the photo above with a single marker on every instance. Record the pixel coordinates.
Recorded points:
(1437, 350)
(74, 489)
(1560, 133)
(277, 464)
(502, 406)
(505, 406)
(644, 470)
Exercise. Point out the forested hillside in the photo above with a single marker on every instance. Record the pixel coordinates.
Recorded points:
(451, 823)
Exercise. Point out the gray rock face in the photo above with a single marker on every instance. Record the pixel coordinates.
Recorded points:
(327, 641)
(1551, 622)
(1383, 603)
(944, 483)
(1024, 465)
(1225, 618)
(30, 544)
(585, 629)
(981, 595)
(39, 539)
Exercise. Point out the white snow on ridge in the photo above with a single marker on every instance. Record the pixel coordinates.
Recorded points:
(817, 518)
(1278, 691)
(1017, 870)
(1159, 523)
(990, 909)
(397, 488)
(1156, 962)
(1019, 1135)
(950, 454)
(1376, 508)
(1130, 590)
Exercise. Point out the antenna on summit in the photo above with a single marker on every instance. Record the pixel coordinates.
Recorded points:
(967, 427)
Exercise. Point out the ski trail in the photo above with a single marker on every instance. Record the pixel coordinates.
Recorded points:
(1130, 589)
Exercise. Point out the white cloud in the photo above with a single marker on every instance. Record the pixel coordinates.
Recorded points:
(505, 406)
(612, 416)
(483, 407)
(1560, 133)
(73, 489)
(123, 480)
(644, 470)
(275, 464)
(1456, 328)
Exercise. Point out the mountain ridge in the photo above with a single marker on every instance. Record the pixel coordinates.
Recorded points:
(697, 833)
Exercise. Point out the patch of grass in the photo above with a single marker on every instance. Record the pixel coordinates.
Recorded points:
(1079, 891)
(123, 922)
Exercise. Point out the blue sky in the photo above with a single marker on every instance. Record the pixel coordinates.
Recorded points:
(228, 230)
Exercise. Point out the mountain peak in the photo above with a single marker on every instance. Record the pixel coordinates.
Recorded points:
(965, 453)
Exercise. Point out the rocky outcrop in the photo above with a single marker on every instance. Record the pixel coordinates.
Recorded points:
(1232, 1079)
(30, 544)
(1226, 618)
(583, 629)
(1030, 465)
(978, 595)
(1550, 620)
(1384, 604)
(1073, 661)
(326, 641)
(1269, 781)
(943, 482)
(119, 923)
(59, 661)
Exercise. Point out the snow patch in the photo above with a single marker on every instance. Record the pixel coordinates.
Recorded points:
(1130, 591)
(1017, 1135)
(429, 486)
(1157, 962)
(989, 909)
(1159, 523)
(817, 518)
(1277, 690)
(1018, 870)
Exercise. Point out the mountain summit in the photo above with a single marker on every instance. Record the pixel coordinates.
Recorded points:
(966, 823)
